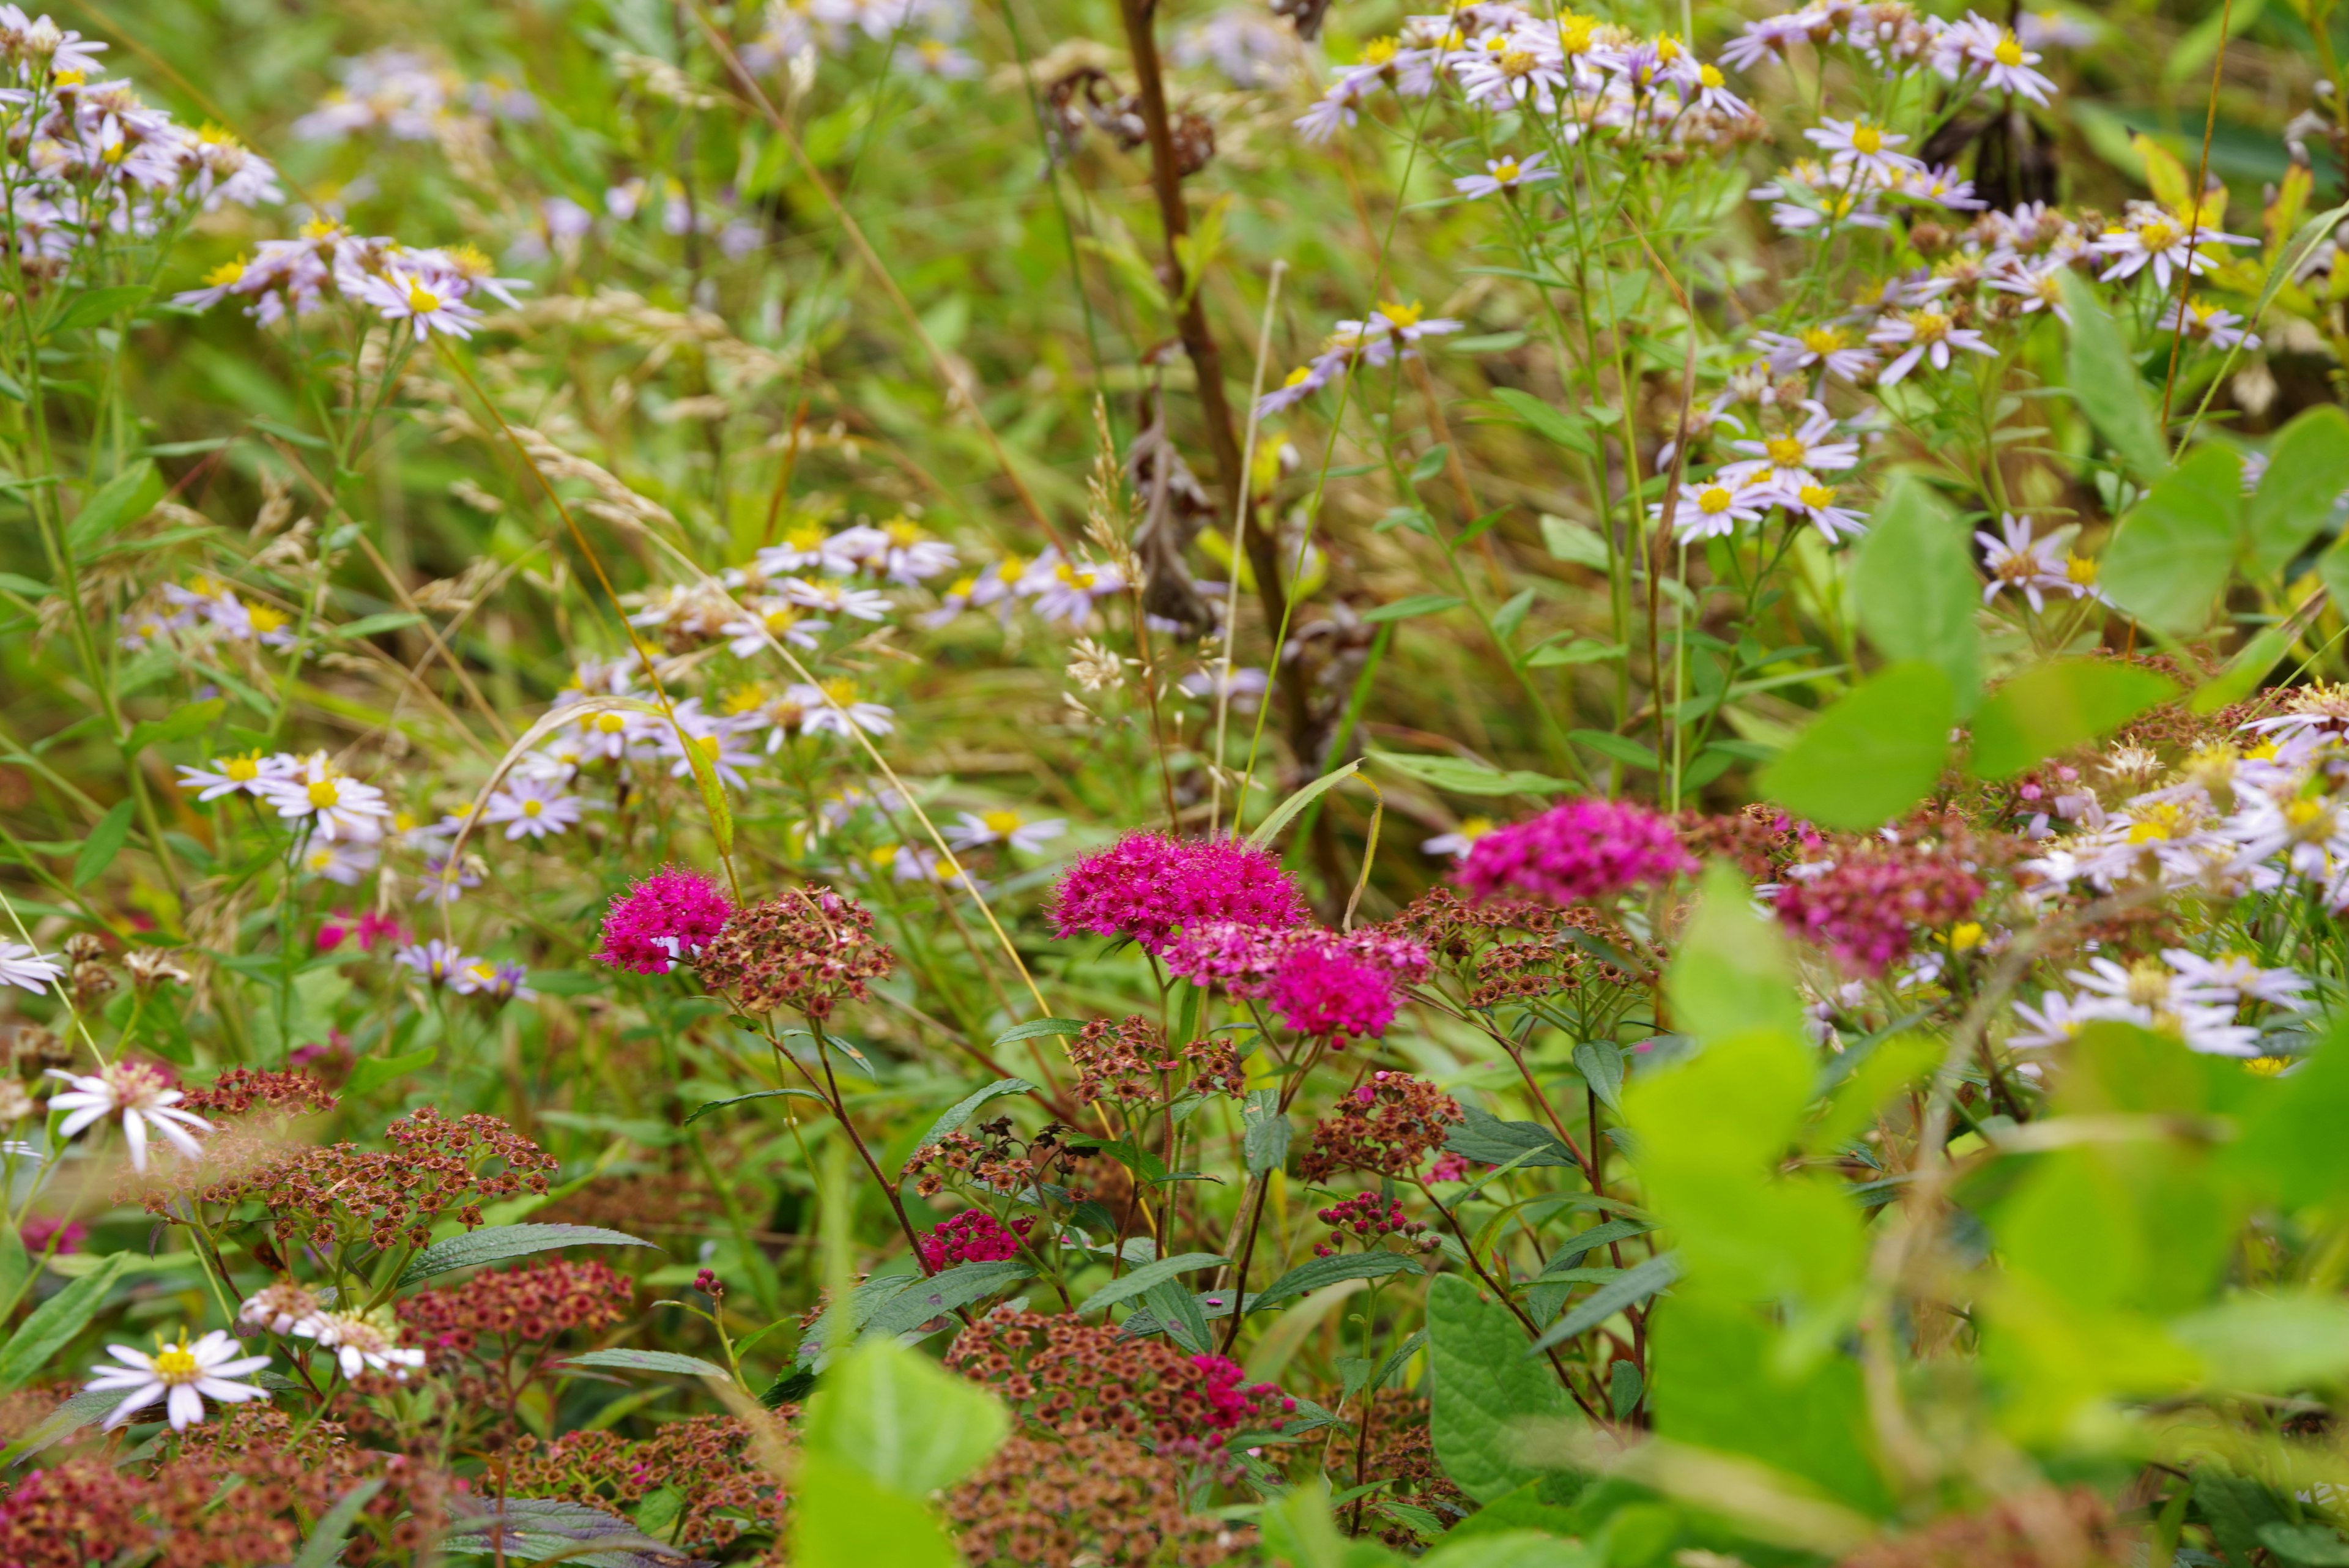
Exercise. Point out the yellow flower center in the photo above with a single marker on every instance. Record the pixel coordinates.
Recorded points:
(176, 1364)
(1786, 451)
(1012, 568)
(1816, 495)
(1299, 376)
(225, 274)
(1713, 500)
(325, 792)
(903, 530)
(2266, 1066)
(745, 698)
(2081, 570)
(1000, 823)
(2009, 52)
(610, 723)
(1473, 828)
(1379, 51)
(1867, 139)
(1506, 171)
(2157, 236)
(1709, 77)
(422, 300)
(1822, 340)
(264, 618)
(1930, 324)
(1402, 314)
(1965, 935)
(841, 689)
(707, 746)
(1518, 63)
(804, 537)
(243, 770)
(533, 808)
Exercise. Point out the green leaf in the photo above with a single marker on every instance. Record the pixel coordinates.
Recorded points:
(962, 1110)
(1913, 586)
(841, 1518)
(501, 1242)
(2171, 555)
(1578, 542)
(1461, 775)
(127, 497)
(713, 792)
(1149, 1275)
(1304, 797)
(374, 1072)
(193, 718)
(29, 587)
(1487, 1139)
(104, 843)
(1571, 431)
(1621, 748)
(1417, 605)
(1266, 1142)
(942, 1292)
(1733, 971)
(89, 1404)
(2311, 1544)
(1629, 1289)
(1892, 1065)
(1600, 1063)
(651, 1361)
(55, 1322)
(1177, 1314)
(369, 626)
(2271, 1345)
(702, 1110)
(1315, 1272)
(1579, 1245)
(2248, 671)
(93, 305)
(1037, 1027)
(1581, 650)
(2308, 470)
(1484, 1387)
(1877, 752)
(2101, 367)
(901, 1421)
(2049, 710)
(324, 1548)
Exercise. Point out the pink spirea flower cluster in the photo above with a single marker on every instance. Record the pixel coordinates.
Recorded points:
(1149, 886)
(1233, 1403)
(973, 1236)
(1343, 984)
(665, 916)
(1868, 910)
(1576, 853)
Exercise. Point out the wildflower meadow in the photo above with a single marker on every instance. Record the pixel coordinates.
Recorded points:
(1085, 784)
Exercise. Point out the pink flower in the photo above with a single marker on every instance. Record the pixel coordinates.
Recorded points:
(376, 928)
(665, 916)
(1579, 852)
(1149, 886)
(1341, 983)
(1231, 1403)
(973, 1236)
(1867, 910)
(38, 1228)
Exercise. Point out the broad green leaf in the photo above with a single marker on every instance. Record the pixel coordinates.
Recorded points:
(2050, 709)
(1575, 1248)
(2308, 471)
(1035, 1028)
(1485, 1138)
(1315, 1272)
(901, 1421)
(2305, 1545)
(1265, 1141)
(372, 625)
(1619, 748)
(1600, 1063)
(1913, 587)
(1416, 605)
(841, 1518)
(324, 1548)
(1485, 1386)
(2101, 367)
(864, 1301)
(1877, 752)
(1733, 972)
(1134, 1283)
(93, 305)
(127, 497)
(104, 843)
(499, 1243)
(1629, 1289)
(941, 1294)
(1176, 1313)
(29, 587)
(55, 1322)
(193, 718)
(1516, 1549)
(627, 1360)
(1460, 775)
(1893, 1066)
(1579, 542)
(1571, 431)
(963, 1109)
(16, 1270)
(2171, 555)
(702, 1110)
(2271, 1345)
(1304, 797)
(2248, 669)
(374, 1072)
(88, 1406)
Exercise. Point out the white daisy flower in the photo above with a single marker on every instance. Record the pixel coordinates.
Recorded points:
(2236, 976)
(1859, 144)
(1714, 508)
(340, 861)
(27, 967)
(360, 1344)
(1504, 173)
(532, 809)
(408, 299)
(339, 805)
(137, 1093)
(182, 1374)
(977, 829)
(833, 707)
(1461, 840)
(248, 774)
(2016, 560)
(771, 618)
(279, 1307)
(437, 963)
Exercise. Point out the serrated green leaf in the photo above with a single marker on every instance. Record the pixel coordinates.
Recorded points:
(1133, 1284)
(962, 1110)
(499, 1243)
(1629, 1289)
(1483, 1388)
(1877, 752)
(1460, 775)
(1621, 748)
(1600, 1063)
(942, 1292)
(625, 1360)
(1264, 1142)
(1316, 1272)
(93, 306)
(2049, 710)
(1036, 1028)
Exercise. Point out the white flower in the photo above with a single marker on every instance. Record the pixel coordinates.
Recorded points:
(182, 1374)
(2223, 328)
(407, 299)
(141, 1096)
(1857, 144)
(532, 809)
(837, 598)
(2236, 976)
(360, 1344)
(436, 962)
(1714, 509)
(345, 862)
(1504, 173)
(977, 829)
(2164, 240)
(1828, 346)
(279, 1307)
(341, 806)
(1816, 503)
(774, 619)
(1787, 459)
(716, 738)
(833, 707)
(2016, 560)
(2053, 1023)
(27, 967)
(1461, 840)
(248, 774)
(1930, 333)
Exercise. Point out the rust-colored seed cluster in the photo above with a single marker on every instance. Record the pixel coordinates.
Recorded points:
(434, 1166)
(1097, 1498)
(2042, 1528)
(1385, 1126)
(242, 1091)
(706, 1459)
(994, 1159)
(526, 1306)
(1514, 949)
(1072, 1379)
(1131, 1061)
(805, 951)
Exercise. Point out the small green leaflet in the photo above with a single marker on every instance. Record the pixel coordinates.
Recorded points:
(1462, 775)
(1142, 1279)
(651, 1361)
(1569, 431)
(104, 843)
(1316, 1272)
(702, 1110)
(1288, 809)
(374, 1072)
(963, 1109)
(1628, 1289)
(93, 306)
(1037, 1027)
(941, 1294)
(503, 1242)
(1417, 605)
(56, 1321)
(193, 718)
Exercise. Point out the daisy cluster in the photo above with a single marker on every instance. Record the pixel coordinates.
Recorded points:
(407, 98)
(204, 609)
(920, 34)
(88, 157)
(432, 290)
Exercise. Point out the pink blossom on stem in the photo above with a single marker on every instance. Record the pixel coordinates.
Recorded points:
(662, 918)
(1149, 886)
(1579, 852)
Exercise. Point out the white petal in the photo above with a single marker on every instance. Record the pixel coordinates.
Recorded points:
(187, 1406)
(219, 1389)
(134, 1133)
(79, 1119)
(138, 1400)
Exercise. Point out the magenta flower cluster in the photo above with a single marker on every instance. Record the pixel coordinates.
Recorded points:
(1232, 1402)
(973, 1236)
(665, 916)
(1580, 852)
(1149, 886)
(1868, 910)
(1342, 984)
